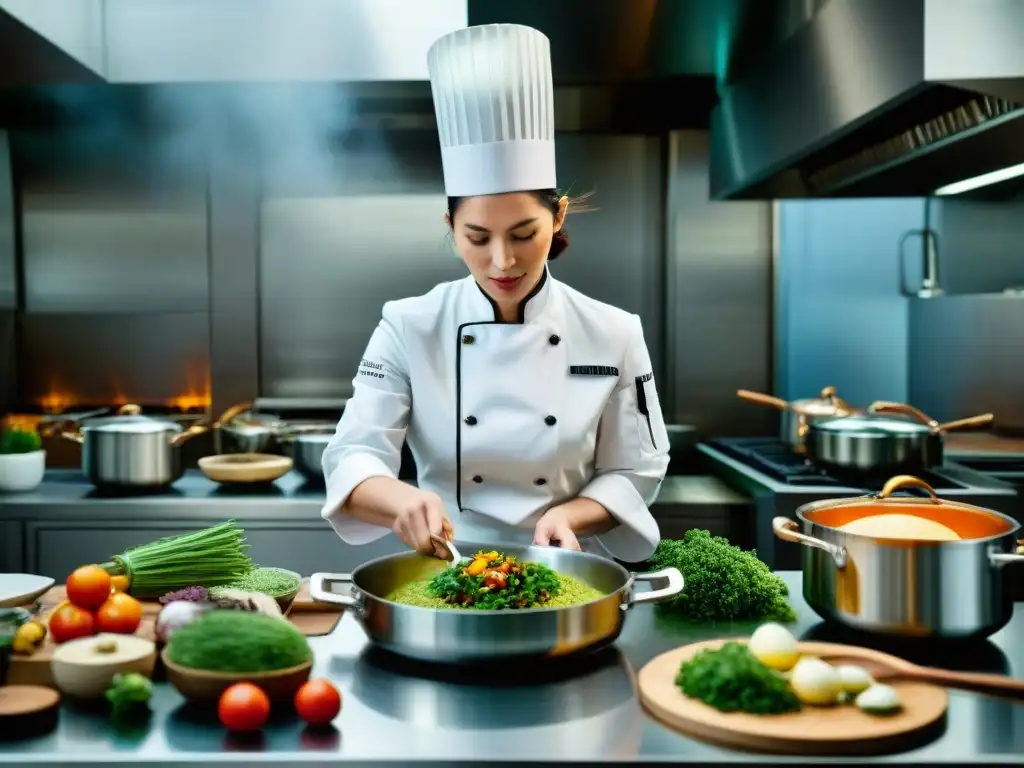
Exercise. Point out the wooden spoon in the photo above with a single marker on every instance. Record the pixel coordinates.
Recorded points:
(882, 666)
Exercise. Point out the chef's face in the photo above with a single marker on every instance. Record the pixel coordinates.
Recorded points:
(504, 240)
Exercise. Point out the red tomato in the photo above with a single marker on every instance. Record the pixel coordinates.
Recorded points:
(71, 622)
(88, 587)
(243, 707)
(120, 614)
(318, 702)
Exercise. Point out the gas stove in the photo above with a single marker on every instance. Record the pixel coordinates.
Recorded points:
(779, 481)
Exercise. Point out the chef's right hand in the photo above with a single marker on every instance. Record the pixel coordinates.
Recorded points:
(419, 516)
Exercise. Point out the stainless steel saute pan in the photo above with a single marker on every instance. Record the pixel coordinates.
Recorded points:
(469, 635)
(798, 415)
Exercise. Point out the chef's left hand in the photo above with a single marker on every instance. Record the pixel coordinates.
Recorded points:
(554, 529)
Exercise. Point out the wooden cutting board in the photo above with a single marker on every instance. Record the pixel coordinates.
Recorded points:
(841, 730)
(312, 619)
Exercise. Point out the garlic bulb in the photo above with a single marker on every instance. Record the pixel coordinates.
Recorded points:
(774, 646)
(815, 682)
(879, 700)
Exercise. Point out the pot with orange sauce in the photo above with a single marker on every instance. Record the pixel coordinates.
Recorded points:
(907, 565)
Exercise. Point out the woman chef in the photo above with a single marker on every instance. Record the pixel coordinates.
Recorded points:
(529, 408)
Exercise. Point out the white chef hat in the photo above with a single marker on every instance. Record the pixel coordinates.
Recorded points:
(495, 111)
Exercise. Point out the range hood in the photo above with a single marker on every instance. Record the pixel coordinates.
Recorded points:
(877, 98)
(28, 57)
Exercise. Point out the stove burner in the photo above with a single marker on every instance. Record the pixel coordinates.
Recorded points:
(772, 457)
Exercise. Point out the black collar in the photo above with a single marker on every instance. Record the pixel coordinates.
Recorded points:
(521, 310)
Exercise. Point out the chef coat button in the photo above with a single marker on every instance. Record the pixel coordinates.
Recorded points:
(540, 481)
(467, 339)
(471, 420)
(553, 340)
(477, 479)
(550, 421)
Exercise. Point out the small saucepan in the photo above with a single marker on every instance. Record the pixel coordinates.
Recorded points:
(305, 446)
(798, 415)
(132, 451)
(883, 445)
(241, 431)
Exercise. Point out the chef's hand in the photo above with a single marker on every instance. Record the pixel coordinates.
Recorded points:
(420, 516)
(555, 530)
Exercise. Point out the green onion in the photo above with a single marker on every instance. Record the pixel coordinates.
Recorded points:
(208, 558)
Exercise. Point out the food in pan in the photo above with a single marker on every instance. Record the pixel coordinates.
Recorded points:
(897, 526)
(495, 581)
(723, 582)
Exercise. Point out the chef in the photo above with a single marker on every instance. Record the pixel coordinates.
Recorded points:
(530, 409)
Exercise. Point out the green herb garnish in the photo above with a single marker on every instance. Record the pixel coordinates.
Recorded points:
(238, 641)
(723, 583)
(493, 581)
(731, 679)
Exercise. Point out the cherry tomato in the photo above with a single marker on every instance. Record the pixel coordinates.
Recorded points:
(120, 614)
(243, 707)
(119, 583)
(71, 622)
(88, 587)
(317, 702)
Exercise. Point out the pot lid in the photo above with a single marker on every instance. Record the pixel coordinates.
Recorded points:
(136, 425)
(812, 407)
(873, 425)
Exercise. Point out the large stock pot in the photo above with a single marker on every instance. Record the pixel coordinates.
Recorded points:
(902, 586)
(468, 635)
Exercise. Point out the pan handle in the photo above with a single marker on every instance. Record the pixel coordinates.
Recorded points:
(884, 406)
(231, 413)
(762, 399)
(787, 530)
(319, 591)
(188, 434)
(675, 585)
(981, 420)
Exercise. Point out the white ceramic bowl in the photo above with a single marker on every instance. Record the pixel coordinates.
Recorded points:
(82, 671)
(21, 472)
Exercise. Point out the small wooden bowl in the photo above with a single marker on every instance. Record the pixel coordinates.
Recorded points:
(245, 467)
(200, 685)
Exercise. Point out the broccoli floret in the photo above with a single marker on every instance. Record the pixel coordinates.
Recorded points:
(723, 583)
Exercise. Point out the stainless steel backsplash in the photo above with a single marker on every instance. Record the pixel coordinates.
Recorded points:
(186, 270)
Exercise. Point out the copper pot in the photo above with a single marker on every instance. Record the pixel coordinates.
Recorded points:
(906, 586)
(798, 415)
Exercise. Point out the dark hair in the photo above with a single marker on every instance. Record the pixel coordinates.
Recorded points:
(550, 199)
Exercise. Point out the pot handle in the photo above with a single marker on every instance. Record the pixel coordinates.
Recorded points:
(761, 399)
(675, 585)
(319, 590)
(232, 413)
(129, 409)
(75, 437)
(188, 434)
(786, 530)
(999, 559)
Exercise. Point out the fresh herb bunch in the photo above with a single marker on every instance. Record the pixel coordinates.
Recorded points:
(15, 440)
(238, 641)
(493, 581)
(731, 679)
(209, 558)
(723, 582)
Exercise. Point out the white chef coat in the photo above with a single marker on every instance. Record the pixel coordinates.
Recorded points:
(506, 420)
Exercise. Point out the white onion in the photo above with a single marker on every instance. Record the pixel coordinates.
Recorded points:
(879, 700)
(176, 615)
(774, 646)
(853, 679)
(815, 682)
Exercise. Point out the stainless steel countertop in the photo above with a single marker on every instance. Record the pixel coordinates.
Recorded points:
(64, 493)
(399, 714)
